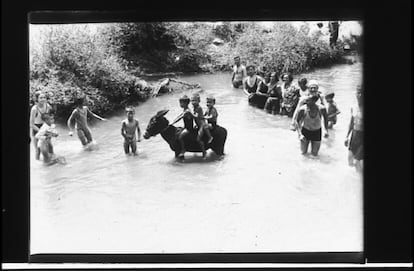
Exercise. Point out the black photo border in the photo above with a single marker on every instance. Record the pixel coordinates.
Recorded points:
(388, 138)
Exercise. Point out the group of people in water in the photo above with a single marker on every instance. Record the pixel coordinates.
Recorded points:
(309, 108)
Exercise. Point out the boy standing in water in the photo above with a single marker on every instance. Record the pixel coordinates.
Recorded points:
(332, 109)
(80, 115)
(187, 117)
(239, 73)
(130, 126)
(44, 137)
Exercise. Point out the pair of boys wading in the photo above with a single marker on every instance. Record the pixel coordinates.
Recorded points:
(200, 119)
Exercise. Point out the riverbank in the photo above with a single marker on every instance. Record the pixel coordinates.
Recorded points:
(110, 62)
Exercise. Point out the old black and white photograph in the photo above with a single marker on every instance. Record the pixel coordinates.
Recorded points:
(196, 137)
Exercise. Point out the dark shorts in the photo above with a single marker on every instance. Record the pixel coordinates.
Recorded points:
(84, 135)
(35, 132)
(315, 135)
(272, 104)
(356, 144)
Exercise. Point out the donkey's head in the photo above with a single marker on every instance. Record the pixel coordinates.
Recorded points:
(157, 124)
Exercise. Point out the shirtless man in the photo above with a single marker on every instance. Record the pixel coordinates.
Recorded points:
(239, 73)
(129, 129)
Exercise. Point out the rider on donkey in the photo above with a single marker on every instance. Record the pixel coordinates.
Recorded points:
(187, 117)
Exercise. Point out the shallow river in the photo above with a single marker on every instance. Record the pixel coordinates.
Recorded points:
(264, 196)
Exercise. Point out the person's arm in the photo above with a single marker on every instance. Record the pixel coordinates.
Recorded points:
(325, 120)
(245, 85)
(350, 129)
(32, 118)
(232, 75)
(139, 132)
(244, 72)
(96, 116)
(298, 120)
(69, 122)
(123, 132)
(178, 118)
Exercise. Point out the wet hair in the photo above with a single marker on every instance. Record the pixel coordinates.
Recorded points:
(236, 57)
(79, 100)
(290, 76)
(211, 98)
(303, 81)
(46, 116)
(275, 75)
(184, 99)
(129, 109)
(195, 96)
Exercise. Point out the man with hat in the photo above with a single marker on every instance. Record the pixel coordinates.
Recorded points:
(239, 73)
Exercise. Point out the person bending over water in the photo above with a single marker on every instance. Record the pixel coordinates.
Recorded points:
(187, 117)
(44, 137)
(239, 73)
(332, 109)
(80, 115)
(309, 125)
(129, 129)
(356, 129)
(41, 107)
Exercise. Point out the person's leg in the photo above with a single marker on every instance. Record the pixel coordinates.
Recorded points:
(183, 133)
(44, 149)
(304, 143)
(126, 146)
(200, 140)
(134, 146)
(88, 135)
(82, 137)
(315, 146)
(350, 158)
(206, 129)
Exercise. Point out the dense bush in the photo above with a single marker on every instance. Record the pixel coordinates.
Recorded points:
(71, 59)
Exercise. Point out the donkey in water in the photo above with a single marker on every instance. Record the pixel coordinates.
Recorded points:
(158, 124)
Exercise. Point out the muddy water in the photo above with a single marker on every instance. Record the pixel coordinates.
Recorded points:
(264, 196)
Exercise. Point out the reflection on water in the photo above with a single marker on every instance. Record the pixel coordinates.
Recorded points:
(264, 196)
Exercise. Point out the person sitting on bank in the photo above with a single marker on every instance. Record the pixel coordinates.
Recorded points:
(239, 73)
(252, 81)
(272, 104)
(309, 125)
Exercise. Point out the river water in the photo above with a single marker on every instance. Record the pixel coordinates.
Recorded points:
(264, 196)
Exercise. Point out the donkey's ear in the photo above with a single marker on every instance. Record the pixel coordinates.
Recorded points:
(162, 112)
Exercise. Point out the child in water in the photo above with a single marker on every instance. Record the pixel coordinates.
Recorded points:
(187, 117)
(200, 122)
(211, 113)
(44, 137)
(332, 109)
(80, 115)
(130, 126)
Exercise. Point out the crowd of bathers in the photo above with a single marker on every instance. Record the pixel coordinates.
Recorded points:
(310, 110)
